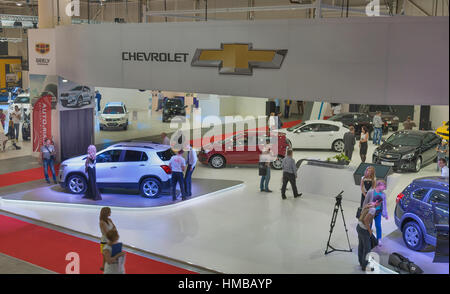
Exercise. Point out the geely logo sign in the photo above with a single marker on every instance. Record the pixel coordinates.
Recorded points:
(238, 59)
(42, 48)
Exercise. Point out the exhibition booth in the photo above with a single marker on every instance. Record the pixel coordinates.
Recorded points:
(240, 69)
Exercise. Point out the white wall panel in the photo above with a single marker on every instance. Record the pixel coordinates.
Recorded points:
(398, 60)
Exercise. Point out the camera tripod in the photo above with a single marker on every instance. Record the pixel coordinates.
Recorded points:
(337, 207)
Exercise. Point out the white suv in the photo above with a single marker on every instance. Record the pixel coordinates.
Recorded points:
(141, 166)
(113, 116)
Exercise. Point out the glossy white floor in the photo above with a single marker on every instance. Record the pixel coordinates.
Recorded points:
(241, 231)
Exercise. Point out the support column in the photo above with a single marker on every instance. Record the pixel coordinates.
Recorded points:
(46, 13)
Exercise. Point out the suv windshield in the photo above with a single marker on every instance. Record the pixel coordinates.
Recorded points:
(174, 103)
(403, 139)
(114, 110)
(77, 88)
(166, 155)
(22, 100)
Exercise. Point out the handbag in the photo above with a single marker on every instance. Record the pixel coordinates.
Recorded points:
(373, 241)
(400, 262)
(52, 157)
(262, 169)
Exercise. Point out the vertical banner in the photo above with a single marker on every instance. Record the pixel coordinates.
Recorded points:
(42, 121)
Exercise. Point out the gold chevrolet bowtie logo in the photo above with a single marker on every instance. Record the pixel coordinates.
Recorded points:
(238, 59)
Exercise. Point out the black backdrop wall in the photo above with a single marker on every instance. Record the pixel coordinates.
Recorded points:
(77, 132)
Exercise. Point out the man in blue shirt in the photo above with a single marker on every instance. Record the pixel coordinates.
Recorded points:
(98, 96)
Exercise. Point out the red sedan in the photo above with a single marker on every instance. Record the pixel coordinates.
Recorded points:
(243, 148)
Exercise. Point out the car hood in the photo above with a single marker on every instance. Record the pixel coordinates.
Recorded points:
(119, 115)
(389, 148)
(78, 159)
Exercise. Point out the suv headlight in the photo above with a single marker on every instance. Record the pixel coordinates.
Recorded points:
(408, 156)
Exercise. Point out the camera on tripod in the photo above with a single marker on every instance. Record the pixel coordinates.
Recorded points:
(337, 207)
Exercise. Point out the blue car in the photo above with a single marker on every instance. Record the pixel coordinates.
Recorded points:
(4, 97)
(420, 206)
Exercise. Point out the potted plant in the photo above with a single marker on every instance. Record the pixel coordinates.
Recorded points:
(341, 159)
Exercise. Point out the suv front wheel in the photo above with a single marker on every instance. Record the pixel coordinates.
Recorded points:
(151, 188)
(413, 236)
(77, 184)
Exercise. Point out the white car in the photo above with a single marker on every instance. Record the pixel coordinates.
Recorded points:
(23, 102)
(77, 97)
(142, 166)
(317, 134)
(114, 116)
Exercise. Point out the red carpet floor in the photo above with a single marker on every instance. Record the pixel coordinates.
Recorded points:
(24, 176)
(48, 249)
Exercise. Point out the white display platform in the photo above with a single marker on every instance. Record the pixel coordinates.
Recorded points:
(330, 181)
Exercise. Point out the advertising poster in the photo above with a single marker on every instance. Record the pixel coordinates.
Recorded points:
(42, 121)
(10, 72)
(43, 85)
(74, 96)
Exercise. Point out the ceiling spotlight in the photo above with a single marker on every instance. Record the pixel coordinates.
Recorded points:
(19, 4)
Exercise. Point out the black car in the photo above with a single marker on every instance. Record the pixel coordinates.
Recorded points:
(357, 120)
(420, 206)
(173, 107)
(407, 150)
(388, 114)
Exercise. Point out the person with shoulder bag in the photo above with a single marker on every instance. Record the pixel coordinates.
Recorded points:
(264, 170)
(381, 210)
(364, 230)
(48, 159)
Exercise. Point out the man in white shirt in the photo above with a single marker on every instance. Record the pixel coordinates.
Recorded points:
(178, 164)
(191, 163)
(165, 139)
(16, 117)
(444, 167)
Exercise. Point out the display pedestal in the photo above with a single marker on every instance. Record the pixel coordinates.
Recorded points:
(327, 181)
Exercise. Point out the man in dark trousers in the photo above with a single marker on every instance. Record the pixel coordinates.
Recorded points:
(191, 163)
(289, 175)
(178, 165)
(349, 142)
(98, 96)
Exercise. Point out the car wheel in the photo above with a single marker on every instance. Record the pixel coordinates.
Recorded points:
(418, 164)
(395, 129)
(413, 236)
(217, 161)
(338, 145)
(151, 188)
(277, 164)
(77, 184)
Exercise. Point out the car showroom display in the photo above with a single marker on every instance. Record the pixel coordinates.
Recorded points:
(443, 130)
(23, 102)
(134, 165)
(114, 116)
(357, 120)
(173, 107)
(242, 148)
(407, 150)
(414, 214)
(388, 114)
(77, 97)
(317, 134)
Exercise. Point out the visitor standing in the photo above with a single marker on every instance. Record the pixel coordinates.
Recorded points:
(336, 108)
(277, 105)
(114, 264)
(92, 191)
(442, 152)
(264, 169)
(408, 124)
(363, 143)
(191, 164)
(377, 128)
(280, 122)
(444, 168)
(287, 107)
(178, 164)
(272, 122)
(300, 107)
(48, 154)
(165, 139)
(16, 117)
(3, 138)
(160, 100)
(2, 118)
(289, 175)
(349, 142)
(368, 182)
(373, 195)
(106, 225)
(364, 231)
(98, 96)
